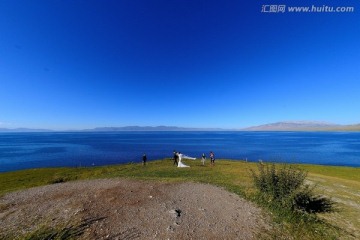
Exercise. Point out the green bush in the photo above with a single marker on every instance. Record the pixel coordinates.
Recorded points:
(285, 188)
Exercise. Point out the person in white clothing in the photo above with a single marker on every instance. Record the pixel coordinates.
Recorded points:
(180, 164)
(203, 158)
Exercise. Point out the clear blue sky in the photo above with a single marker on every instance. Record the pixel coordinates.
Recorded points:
(76, 64)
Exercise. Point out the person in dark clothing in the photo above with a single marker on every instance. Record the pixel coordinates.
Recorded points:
(212, 158)
(175, 158)
(144, 159)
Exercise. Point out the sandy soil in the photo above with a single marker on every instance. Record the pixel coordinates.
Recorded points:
(129, 209)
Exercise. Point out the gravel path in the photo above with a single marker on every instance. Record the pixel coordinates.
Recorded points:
(131, 209)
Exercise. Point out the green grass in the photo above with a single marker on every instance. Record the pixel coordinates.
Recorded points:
(342, 184)
(223, 174)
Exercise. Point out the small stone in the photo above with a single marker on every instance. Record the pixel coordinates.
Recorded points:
(170, 228)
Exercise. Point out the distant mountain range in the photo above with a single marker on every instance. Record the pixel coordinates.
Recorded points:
(303, 126)
(117, 129)
(24, 130)
(148, 128)
(278, 126)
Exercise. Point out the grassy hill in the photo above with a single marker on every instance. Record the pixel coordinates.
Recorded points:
(342, 184)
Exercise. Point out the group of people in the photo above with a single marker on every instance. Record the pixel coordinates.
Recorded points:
(212, 158)
(178, 156)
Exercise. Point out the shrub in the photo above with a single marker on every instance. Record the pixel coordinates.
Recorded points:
(285, 188)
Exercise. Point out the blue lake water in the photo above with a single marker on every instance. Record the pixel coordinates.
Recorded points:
(34, 150)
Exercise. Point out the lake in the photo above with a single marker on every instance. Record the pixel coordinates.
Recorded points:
(56, 149)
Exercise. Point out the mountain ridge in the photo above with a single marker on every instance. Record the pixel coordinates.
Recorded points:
(117, 129)
(303, 126)
(24, 130)
(150, 128)
(277, 126)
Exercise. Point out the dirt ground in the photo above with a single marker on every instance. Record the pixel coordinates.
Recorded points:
(131, 209)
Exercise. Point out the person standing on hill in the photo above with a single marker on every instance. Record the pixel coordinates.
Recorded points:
(212, 158)
(144, 159)
(203, 158)
(175, 158)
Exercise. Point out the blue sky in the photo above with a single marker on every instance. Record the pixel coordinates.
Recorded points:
(83, 64)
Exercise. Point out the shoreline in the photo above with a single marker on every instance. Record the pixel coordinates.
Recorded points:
(232, 160)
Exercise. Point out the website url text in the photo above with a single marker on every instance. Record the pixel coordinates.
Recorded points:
(309, 9)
